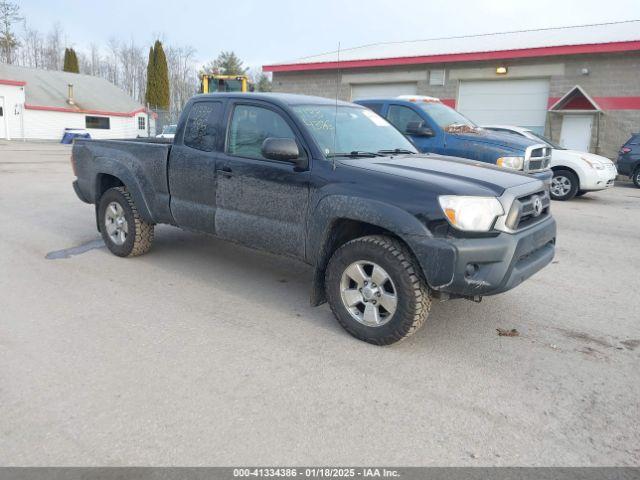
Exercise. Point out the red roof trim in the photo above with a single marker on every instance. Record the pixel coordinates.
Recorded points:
(462, 57)
(15, 83)
(93, 112)
(609, 103)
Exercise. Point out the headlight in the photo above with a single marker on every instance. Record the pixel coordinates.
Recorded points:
(592, 164)
(515, 163)
(473, 214)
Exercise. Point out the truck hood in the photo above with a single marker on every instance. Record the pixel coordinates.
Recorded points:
(451, 174)
(505, 140)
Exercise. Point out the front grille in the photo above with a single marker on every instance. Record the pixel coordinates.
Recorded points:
(523, 212)
(539, 159)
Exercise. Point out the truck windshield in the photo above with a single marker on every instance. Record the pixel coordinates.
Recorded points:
(345, 130)
(445, 116)
(170, 129)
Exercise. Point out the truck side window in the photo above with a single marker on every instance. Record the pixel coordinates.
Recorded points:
(400, 117)
(201, 129)
(250, 126)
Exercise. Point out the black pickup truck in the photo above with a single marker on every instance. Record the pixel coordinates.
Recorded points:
(332, 184)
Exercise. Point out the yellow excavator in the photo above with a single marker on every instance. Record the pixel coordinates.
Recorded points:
(210, 83)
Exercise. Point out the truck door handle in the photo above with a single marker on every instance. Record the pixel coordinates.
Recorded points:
(226, 171)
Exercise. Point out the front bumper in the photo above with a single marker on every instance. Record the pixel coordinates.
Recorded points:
(473, 267)
(599, 179)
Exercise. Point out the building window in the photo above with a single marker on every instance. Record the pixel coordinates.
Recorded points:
(436, 77)
(142, 123)
(102, 123)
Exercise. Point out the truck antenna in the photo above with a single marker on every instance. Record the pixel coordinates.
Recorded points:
(335, 116)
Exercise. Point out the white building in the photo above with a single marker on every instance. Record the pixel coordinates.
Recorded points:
(40, 104)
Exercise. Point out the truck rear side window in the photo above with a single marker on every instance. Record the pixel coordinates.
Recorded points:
(201, 130)
(250, 126)
(376, 107)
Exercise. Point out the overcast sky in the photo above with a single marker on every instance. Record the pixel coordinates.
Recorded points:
(272, 31)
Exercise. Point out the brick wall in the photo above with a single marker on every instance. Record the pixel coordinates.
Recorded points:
(610, 75)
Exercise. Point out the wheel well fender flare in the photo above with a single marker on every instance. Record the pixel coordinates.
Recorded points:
(340, 218)
(115, 170)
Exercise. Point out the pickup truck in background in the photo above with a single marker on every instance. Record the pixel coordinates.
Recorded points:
(334, 185)
(434, 127)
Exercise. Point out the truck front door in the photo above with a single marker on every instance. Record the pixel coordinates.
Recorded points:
(400, 116)
(192, 167)
(261, 203)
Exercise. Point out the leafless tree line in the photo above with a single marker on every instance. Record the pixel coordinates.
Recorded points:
(122, 63)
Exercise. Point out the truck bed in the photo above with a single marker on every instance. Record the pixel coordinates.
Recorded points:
(139, 163)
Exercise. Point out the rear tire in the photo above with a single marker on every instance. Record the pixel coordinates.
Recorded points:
(564, 185)
(636, 177)
(124, 232)
(380, 313)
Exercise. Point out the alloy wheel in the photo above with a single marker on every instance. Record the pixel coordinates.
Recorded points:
(116, 223)
(368, 293)
(560, 186)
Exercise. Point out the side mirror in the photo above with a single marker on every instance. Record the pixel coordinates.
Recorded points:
(419, 129)
(284, 150)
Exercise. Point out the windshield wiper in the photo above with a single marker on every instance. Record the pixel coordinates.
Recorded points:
(355, 154)
(396, 151)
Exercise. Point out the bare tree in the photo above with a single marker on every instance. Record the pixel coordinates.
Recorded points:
(133, 70)
(94, 59)
(9, 15)
(54, 48)
(31, 52)
(183, 79)
(112, 61)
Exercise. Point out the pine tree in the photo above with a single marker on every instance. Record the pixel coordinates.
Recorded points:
(157, 94)
(151, 75)
(263, 84)
(70, 61)
(162, 72)
(227, 63)
(65, 66)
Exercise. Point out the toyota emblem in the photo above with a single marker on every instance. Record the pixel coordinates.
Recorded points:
(537, 206)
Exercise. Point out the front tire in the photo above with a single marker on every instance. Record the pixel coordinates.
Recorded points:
(564, 185)
(374, 290)
(124, 232)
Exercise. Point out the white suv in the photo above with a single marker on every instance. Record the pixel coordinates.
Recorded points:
(574, 173)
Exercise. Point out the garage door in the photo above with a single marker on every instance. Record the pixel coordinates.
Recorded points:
(505, 102)
(382, 90)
